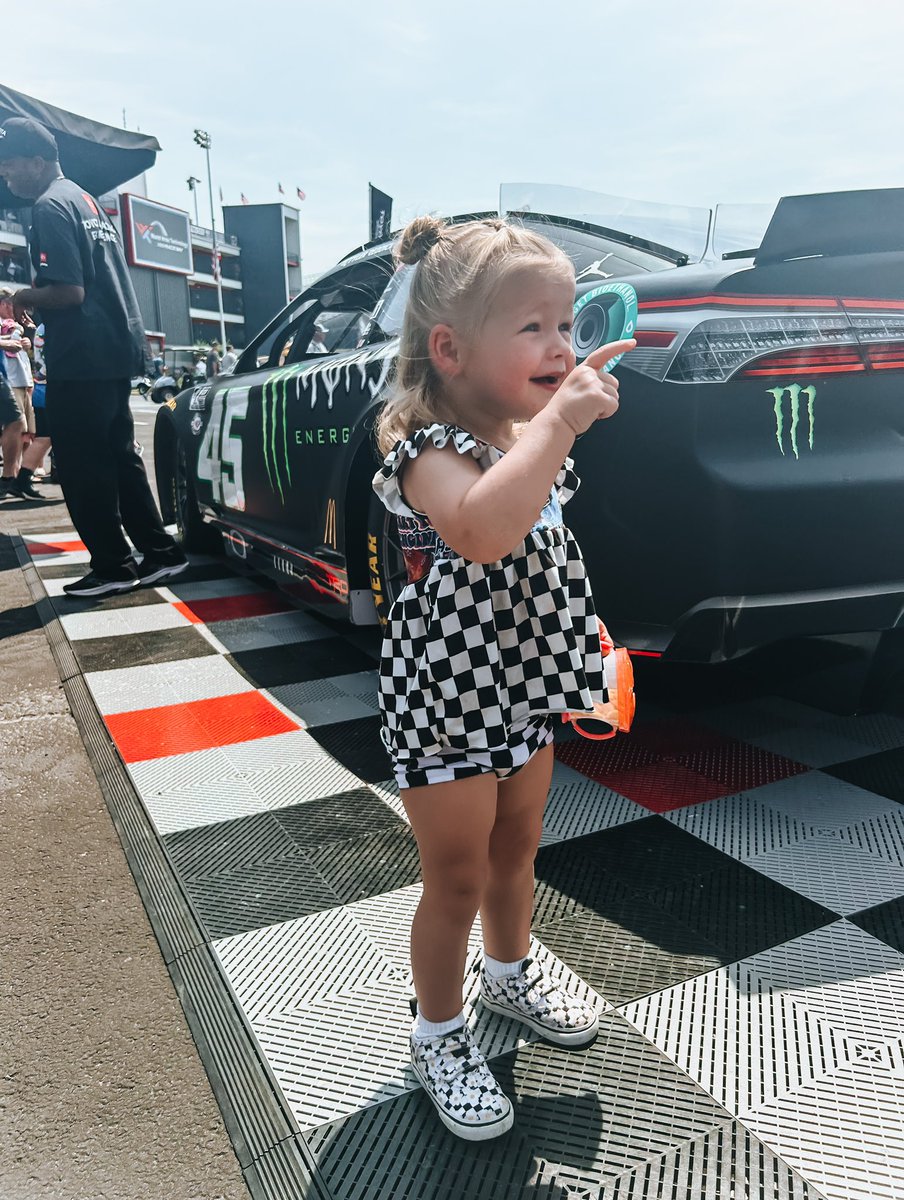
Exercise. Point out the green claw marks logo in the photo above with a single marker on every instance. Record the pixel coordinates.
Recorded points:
(273, 431)
(795, 391)
(292, 392)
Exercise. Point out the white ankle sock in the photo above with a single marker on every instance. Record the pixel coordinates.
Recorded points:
(431, 1029)
(496, 969)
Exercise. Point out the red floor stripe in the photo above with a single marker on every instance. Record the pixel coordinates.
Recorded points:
(34, 548)
(663, 787)
(195, 725)
(230, 608)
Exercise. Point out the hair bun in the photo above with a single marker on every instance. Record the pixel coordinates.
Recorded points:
(418, 238)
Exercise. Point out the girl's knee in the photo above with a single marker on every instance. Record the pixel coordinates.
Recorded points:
(457, 889)
(514, 848)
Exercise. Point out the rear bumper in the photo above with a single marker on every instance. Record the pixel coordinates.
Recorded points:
(724, 627)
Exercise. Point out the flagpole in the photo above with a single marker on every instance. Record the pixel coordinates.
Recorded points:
(203, 140)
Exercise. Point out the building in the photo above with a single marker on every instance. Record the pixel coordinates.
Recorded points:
(203, 304)
(171, 265)
(269, 236)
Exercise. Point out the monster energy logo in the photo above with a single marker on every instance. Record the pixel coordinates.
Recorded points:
(273, 431)
(795, 391)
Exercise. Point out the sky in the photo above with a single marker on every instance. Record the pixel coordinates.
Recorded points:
(692, 102)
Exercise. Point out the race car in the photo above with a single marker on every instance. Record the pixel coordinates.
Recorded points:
(749, 489)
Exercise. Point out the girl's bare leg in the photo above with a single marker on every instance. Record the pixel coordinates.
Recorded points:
(508, 899)
(452, 823)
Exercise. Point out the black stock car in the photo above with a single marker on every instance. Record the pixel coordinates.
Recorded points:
(750, 488)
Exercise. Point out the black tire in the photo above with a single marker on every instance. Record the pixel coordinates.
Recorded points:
(143, 389)
(193, 533)
(386, 564)
(164, 394)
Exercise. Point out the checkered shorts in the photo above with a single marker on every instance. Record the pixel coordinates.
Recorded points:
(474, 652)
(502, 761)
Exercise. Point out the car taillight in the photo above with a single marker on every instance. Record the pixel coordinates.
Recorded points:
(840, 336)
(653, 352)
(718, 349)
(814, 360)
(881, 337)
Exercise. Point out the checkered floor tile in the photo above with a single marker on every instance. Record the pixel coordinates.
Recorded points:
(727, 884)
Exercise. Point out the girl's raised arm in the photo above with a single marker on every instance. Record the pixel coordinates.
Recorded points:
(484, 515)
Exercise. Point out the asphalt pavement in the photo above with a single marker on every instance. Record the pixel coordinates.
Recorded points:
(102, 1092)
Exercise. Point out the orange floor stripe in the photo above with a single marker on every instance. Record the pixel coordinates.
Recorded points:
(196, 725)
(54, 547)
(183, 608)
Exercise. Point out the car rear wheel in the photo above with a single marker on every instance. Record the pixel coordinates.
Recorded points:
(193, 534)
(384, 556)
(163, 394)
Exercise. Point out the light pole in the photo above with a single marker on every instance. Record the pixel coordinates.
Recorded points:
(203, 140)
(191, 181)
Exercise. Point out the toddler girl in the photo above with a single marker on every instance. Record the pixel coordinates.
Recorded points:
(495, 634)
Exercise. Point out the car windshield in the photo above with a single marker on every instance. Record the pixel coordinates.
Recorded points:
(692, 233)
(386, 321)
(739, 228)
(675, 226)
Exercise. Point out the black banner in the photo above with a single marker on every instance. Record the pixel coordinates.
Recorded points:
(380, 214)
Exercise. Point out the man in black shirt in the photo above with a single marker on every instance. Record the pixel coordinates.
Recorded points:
(94, 344)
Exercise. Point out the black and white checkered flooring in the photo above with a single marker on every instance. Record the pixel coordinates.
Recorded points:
(728, 882)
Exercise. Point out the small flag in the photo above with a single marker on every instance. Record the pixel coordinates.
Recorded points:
(215, 263)
(300, 193)
(380, 213)
(221, 195)
(282, 190)
(244, 198)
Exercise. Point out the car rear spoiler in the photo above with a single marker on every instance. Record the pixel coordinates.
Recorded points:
(830, 224)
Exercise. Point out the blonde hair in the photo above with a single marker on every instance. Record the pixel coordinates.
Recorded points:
(460, 269)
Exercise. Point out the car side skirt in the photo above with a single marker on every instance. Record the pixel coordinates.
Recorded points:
(317, 583)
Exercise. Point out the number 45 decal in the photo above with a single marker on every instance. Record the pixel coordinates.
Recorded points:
(220, 453)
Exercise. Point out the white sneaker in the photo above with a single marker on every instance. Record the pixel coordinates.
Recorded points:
(532, 997)
(455, 1076)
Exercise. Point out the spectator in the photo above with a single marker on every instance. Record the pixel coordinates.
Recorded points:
(12, 430)
(317, 344)
(33, 456)
(94, 344)
(21, 381)
(213, 360)
(230, 358)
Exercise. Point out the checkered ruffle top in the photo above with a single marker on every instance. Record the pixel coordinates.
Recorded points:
(471, 649)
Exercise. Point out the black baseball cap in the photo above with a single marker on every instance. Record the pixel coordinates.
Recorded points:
(21, 137)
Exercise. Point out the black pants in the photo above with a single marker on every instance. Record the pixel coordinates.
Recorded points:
(104, 482)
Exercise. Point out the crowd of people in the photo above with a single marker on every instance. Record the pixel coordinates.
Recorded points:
(25, 439)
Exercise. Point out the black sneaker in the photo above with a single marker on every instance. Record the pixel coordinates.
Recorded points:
(153, 571)
(26, 490)
(98, 585)
(8, 489)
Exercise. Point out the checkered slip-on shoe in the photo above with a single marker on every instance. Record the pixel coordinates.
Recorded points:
(532, 997)
(455, 1076)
